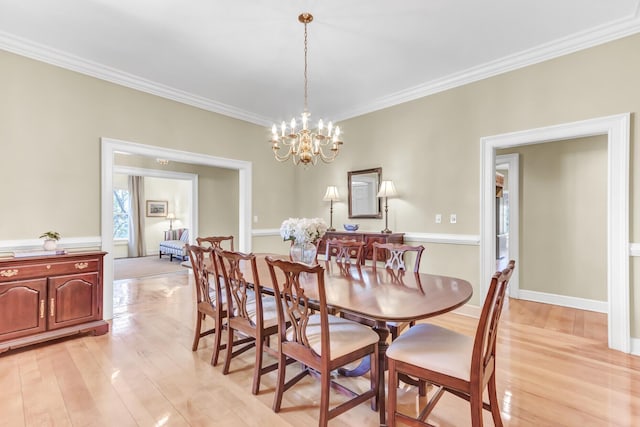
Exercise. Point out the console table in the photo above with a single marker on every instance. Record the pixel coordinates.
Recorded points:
(368, 237)
(48, 297)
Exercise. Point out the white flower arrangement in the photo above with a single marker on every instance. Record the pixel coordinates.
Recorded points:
(303, 230)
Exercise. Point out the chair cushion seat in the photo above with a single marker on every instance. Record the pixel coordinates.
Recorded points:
(269, 313)
(345, 335)
(435, 348)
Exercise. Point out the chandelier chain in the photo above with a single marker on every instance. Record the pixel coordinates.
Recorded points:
(306, 107)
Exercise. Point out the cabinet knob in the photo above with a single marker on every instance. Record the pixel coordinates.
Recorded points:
(82, 265)
(8, 273)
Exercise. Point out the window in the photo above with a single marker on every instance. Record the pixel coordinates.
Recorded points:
(121, 214)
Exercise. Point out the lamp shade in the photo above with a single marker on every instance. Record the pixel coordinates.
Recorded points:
(331, 194)
(387, 189)
(171, 215)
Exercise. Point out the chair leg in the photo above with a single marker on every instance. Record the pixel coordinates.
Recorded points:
(475, 399)
(493, 401)
(277, 397)
(374, 378)
(325, 380)
(229, 352)
(257, 369)
(217, 338)
(392, 397)
(196, 338)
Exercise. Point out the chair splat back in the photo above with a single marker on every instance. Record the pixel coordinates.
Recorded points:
(201, 257)
(344, 250)
(215, 241)
(297, 308)
(396, 252)
(237, 287)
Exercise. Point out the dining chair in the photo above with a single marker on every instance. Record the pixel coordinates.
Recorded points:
(453, 362)
(249, 312)
(215, 241)
(209, 298)
(343, 251)
(395, 262)
(319, 341)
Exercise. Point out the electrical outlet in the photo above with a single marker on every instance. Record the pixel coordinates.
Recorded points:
(438, 218)
(255, 218)
(453, 219)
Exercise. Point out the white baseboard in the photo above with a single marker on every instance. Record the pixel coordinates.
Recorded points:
(565, 301)
(469, 310)
(635, 346)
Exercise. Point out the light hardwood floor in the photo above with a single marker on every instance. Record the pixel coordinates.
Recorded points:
(554, 369)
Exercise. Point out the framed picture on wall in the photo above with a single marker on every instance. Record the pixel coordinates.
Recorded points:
(157, 207)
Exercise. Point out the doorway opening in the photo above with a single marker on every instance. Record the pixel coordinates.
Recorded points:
(112, 146)
(616, 128)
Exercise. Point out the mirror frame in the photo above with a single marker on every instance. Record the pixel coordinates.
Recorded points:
(350, 177)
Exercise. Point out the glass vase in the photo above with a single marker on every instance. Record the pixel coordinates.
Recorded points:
(303, 252)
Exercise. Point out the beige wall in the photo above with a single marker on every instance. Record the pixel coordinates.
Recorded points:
(430, 147)
(563, 221)
(51, 121)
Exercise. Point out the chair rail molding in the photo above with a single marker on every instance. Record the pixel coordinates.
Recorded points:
(88, 242)
(617, 130)
(634, 249)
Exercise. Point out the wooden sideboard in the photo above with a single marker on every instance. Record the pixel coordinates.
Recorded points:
(48, 297)
(368, 237)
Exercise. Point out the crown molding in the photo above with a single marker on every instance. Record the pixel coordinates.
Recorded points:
(49, 55)
(573, 43)
(544, 52)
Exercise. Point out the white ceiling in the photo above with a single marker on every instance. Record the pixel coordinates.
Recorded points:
(245, 58)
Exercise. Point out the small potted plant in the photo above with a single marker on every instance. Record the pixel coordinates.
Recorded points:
(50, 240)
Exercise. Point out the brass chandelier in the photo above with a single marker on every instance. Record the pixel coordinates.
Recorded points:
(305, 146)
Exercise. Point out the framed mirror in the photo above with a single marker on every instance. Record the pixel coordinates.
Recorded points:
(363, 189)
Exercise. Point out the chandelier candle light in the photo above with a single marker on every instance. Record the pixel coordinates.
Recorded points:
(305, 145)
(387, 189)
(331, 196)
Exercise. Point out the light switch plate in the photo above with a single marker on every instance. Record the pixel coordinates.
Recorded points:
(453, 219)
(438, 218)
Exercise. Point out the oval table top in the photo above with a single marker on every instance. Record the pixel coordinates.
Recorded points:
(378, 293)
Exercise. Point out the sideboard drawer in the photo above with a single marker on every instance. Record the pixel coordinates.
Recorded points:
(30, 271)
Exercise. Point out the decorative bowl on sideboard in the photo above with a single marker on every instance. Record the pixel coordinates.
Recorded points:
(350, 227)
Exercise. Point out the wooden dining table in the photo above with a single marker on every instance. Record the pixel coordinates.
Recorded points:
(380, 295)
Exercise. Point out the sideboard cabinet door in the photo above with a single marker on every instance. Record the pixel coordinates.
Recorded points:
(22, 308)
(72, 299)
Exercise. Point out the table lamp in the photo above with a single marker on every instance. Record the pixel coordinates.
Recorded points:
(387, 189)
(171, 216)
(330, 196)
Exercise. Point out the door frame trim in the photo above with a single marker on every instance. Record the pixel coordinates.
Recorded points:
(617, 130)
